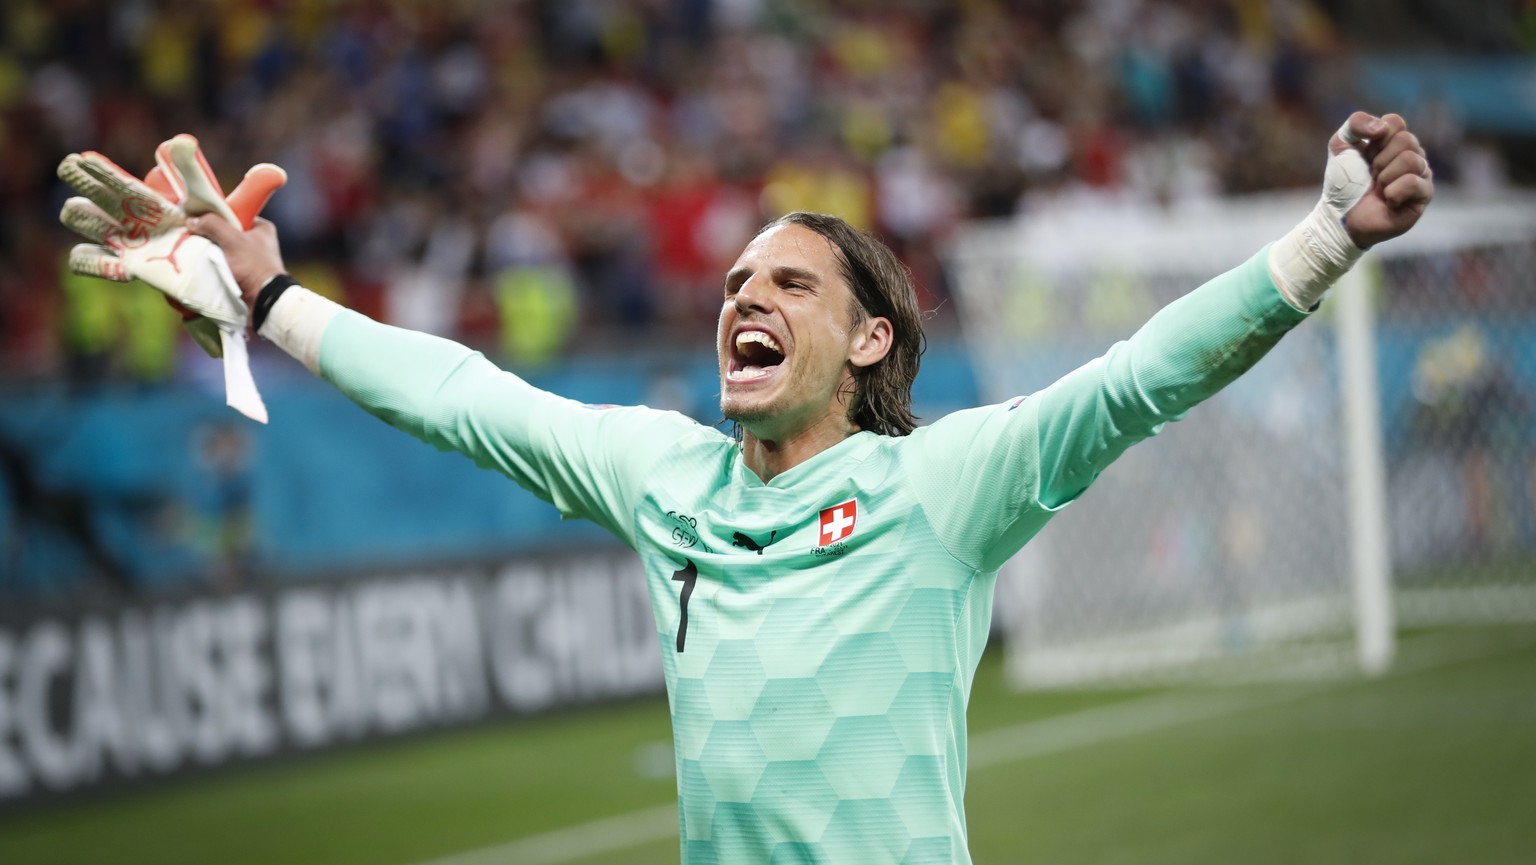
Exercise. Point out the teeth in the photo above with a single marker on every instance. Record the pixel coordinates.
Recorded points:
(749, 336)
(748, 373)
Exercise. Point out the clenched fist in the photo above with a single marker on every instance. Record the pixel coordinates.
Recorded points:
(1402, 183)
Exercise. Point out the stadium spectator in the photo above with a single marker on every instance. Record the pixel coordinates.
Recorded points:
(650, 138)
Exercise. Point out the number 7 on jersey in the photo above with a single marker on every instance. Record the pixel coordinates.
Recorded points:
(688, 577)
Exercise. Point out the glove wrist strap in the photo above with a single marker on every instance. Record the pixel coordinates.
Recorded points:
(267, 297)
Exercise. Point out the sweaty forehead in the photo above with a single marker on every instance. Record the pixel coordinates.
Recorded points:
(793, 245)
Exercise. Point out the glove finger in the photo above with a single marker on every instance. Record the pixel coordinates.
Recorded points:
(205, 333)
(253, 192)
(157, 181)
(85, 218)
(88, 259)
(115, 177)
(200, 192)
(168, 169)
(72, 171)
(138, 203)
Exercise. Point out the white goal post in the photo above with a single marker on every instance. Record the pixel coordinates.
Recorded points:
(1290, 524)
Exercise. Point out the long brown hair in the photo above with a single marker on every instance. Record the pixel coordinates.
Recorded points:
(882, 287)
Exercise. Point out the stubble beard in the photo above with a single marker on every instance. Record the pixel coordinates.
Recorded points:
(783, 411)
(748, 412)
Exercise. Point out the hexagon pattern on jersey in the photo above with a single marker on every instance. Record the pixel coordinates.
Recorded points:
(822, 736)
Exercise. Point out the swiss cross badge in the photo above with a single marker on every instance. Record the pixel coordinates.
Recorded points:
(837, 522)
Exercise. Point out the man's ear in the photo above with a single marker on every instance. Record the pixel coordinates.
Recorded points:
(871, 342)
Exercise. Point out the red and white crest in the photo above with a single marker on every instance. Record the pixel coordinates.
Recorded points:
(837, 522)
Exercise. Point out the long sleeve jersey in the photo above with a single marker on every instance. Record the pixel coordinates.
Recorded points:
(820, 631)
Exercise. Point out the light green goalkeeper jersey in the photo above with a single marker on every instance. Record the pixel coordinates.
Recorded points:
(820, 631)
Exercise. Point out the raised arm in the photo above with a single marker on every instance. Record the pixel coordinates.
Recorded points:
(1037, 454)
(1375, 187)
(580, 459)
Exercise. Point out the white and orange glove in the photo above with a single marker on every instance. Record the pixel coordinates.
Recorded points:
(197, 192)
(138, 231)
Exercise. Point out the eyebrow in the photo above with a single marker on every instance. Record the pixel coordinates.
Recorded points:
(781, 273)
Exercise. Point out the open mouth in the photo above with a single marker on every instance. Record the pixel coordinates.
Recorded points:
(755, 355)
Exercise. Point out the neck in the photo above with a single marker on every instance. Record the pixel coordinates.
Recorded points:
(770, 457)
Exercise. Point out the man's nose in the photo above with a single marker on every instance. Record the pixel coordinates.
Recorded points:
(755, 294)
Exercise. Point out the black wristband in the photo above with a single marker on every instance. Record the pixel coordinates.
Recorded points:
(267, 297)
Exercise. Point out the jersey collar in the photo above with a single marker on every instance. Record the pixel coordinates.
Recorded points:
(853, 448)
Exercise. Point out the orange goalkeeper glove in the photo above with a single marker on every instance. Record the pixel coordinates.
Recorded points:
(196, 191)
(138, 232)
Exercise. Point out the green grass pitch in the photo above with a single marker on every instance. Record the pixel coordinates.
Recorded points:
(1433, 763)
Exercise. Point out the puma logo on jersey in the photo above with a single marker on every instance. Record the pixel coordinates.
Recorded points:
(741, 539)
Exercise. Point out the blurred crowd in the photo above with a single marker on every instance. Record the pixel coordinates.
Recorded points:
(554, 176)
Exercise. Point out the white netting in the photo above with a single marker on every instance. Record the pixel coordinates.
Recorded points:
(1232, 544)
(1457, 340)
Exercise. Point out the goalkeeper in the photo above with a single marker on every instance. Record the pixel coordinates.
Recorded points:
(822, 586)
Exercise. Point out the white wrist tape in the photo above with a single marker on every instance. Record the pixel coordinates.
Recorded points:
(296, 323)
(1312, 256)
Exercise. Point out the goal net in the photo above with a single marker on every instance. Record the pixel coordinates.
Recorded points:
(1377, 469)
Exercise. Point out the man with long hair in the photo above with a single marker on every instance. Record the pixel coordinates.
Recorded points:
(822, 618)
